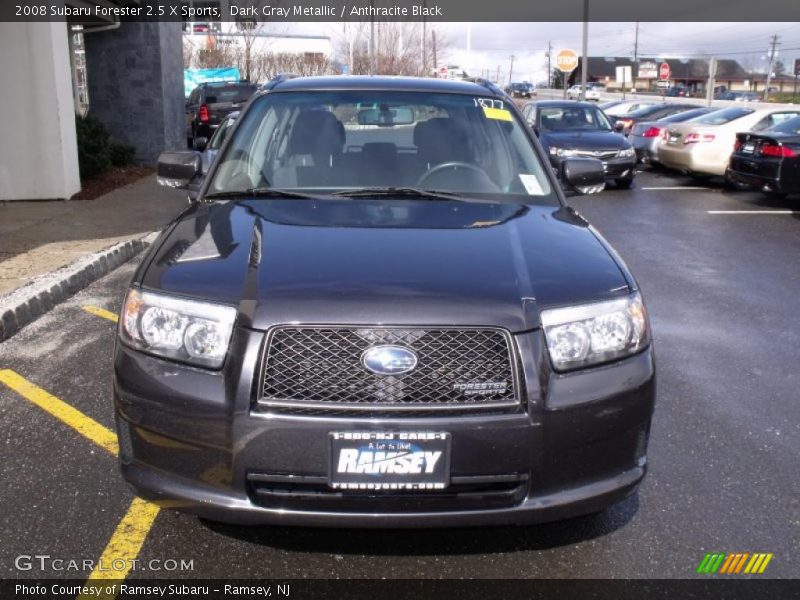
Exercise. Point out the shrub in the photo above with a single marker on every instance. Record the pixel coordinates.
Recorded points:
(94, 156)
(122, 155)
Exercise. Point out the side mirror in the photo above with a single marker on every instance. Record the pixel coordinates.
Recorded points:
(177, 169)
(583, 175)
(200, 143)
(619, 127)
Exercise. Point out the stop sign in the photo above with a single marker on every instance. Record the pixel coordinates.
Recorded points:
(663, 71)
(443, 71)
(566, 61)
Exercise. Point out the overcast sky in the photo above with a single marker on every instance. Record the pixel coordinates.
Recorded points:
(494, 43)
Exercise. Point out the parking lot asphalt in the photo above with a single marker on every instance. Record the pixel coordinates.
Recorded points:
(721, 277)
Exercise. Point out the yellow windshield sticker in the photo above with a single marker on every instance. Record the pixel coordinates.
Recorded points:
(501, 114)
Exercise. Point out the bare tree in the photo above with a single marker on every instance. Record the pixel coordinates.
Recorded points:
(398, 48)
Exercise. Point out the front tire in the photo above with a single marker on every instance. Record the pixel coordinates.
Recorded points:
(624, 183)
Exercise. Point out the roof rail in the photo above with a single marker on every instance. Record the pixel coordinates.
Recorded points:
(489, 85)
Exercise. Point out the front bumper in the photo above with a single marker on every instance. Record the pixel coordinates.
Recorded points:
(615, 168)
(194, 440)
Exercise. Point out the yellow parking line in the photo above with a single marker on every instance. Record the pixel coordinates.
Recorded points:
(101, 312)
(86, 426)
(126, 542)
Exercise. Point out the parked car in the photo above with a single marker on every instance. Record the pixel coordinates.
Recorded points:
(567, 129)
(768, 160)
(624, 123)
(592, 93)
(625, 107)
(647, 136)
(678, 91)
(210, 103)
(209, 150)
(703, 145)
(381, 312)
(520, 90)
(737, 96)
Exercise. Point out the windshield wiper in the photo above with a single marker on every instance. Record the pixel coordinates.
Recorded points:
(408, 192)
(262, 192)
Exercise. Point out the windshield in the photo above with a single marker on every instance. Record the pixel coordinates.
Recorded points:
(569, 118)
(232, 93)
(720, 117)
(338, 141)
(215, 143)
(791, 126)
(686, 115)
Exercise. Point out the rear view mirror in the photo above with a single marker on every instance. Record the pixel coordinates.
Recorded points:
(387, 117)
(177, 169)
(583, 175)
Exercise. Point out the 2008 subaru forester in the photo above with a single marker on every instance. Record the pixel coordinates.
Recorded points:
(381, 312)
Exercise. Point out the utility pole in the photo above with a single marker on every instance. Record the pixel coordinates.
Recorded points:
(585, 64)
(769, 69)
(435, 60)
(549, 68)
(497, 78)
(712, 73)
(511, 69)
(426, 72)
(372, 39)
(635, 54)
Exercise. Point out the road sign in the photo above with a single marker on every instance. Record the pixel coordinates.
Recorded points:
(566, 61)
(443, 72)
(663, 83)
(648, 70)
(663, 71)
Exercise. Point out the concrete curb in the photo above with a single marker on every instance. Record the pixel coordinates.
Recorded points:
(29, 302)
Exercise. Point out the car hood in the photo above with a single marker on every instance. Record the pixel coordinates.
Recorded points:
(584, 140)
(399, 262)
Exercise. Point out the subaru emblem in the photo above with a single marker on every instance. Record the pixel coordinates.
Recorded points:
(389, 360)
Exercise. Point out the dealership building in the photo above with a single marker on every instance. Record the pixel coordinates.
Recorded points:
(128, 75)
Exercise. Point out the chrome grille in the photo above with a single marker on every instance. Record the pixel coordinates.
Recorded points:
(599, 154)
(320, 368)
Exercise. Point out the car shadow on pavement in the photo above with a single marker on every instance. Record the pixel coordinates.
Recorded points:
(463, 540)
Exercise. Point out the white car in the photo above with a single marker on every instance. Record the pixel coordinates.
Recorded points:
(574, 93)
(703, 146)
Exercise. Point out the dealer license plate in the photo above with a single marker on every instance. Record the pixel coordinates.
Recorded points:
(389, 460)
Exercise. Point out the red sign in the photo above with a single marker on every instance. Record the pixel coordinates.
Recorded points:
(443, 72)
(663, 71)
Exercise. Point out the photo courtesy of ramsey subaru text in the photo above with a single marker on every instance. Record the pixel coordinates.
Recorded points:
(380, 311)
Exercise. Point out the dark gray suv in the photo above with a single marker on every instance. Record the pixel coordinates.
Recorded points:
(381, 312)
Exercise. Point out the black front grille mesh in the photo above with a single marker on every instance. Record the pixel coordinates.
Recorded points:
(321, 367)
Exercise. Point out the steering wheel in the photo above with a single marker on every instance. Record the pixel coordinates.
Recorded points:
(455, 164)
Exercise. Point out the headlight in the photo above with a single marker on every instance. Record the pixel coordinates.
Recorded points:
(186, 330)
(579, 336)
(562, 151)
(627, 153)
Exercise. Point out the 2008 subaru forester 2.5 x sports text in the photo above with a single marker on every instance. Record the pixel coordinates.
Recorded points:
(379, 311)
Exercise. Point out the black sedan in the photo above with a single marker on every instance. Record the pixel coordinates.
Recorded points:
(654, 112)
(569, 129)
(769, 159)
(520, 90)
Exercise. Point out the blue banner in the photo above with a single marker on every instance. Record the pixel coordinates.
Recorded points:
(194, 77)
